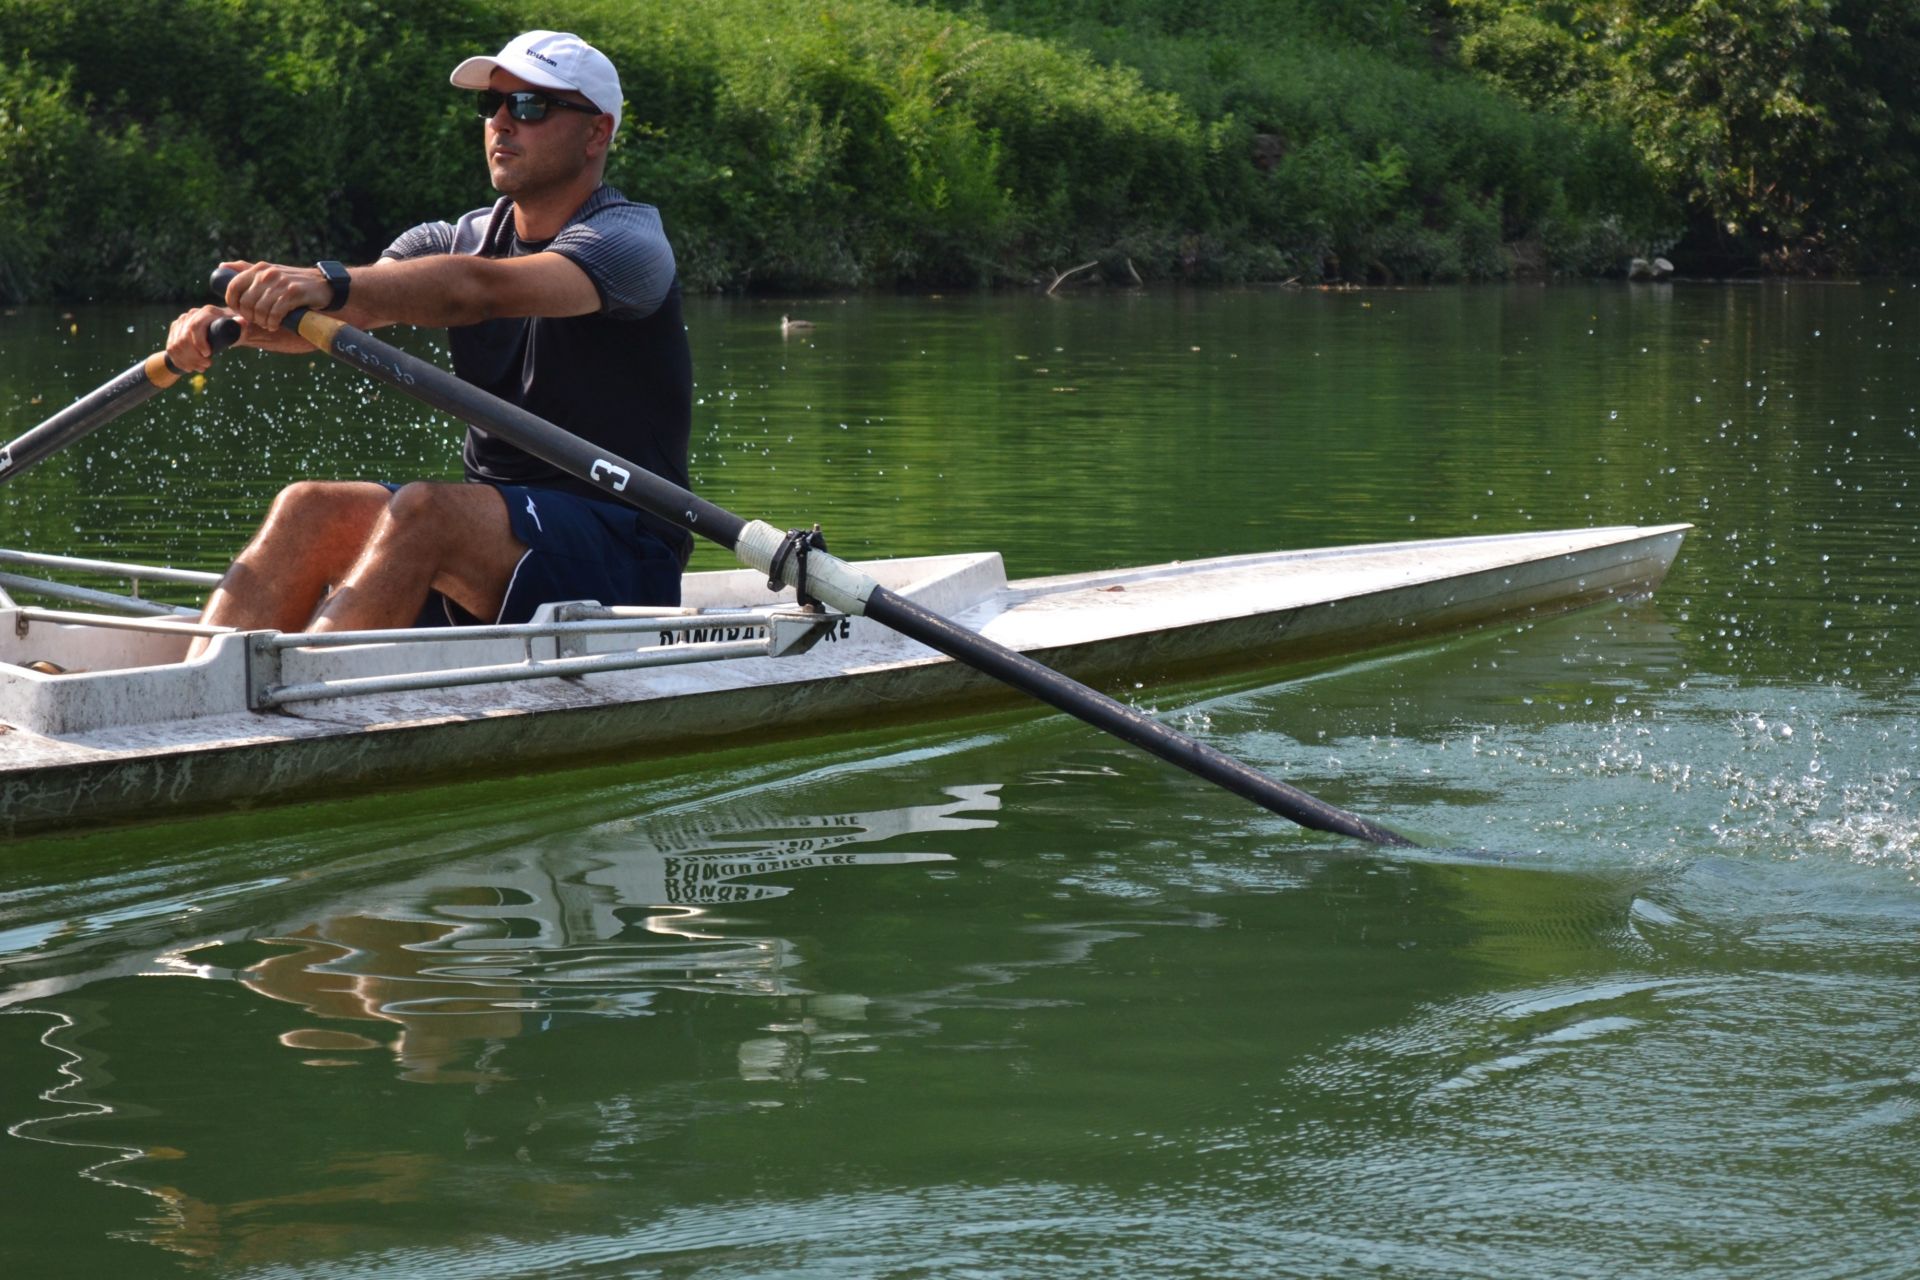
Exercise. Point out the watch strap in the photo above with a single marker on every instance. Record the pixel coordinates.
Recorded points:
(341, 282)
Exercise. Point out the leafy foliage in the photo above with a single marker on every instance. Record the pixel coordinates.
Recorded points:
(160, 137)
(849, 143)
(1790, 129)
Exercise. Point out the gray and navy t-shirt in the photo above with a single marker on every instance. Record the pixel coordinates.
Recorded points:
(621, 377)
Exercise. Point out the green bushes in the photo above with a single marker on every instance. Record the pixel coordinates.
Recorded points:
(794, 145)
(1359, 153)
(79, 200)
(160, 137)
(1789, 130)
(869, 143)
(863, 143)
(850, 143)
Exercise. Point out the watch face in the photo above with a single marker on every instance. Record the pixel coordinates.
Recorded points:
(336, 277)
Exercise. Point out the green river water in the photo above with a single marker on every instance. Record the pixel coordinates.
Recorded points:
(999, 997)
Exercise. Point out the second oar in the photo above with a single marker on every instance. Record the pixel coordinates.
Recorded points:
(103, 404)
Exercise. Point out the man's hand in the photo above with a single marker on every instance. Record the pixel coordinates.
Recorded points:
(191, 351)
(259, 297)
(188, 347)
(262, 293)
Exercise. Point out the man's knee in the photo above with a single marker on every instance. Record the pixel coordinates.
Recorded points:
(417, 503)
(431, 505)
(302, 498)
(310, 504)
(464, 517)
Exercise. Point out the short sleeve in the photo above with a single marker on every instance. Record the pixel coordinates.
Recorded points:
(623, 249)
(423, 241)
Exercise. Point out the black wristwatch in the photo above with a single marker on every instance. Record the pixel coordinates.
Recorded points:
(337, 277)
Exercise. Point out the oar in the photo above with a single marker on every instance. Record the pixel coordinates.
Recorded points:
(103, 404)
(760, 546)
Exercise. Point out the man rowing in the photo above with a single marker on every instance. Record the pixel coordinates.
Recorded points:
(562, 297)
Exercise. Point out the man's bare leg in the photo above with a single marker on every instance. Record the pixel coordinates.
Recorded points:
(451, 538)
(312, 535)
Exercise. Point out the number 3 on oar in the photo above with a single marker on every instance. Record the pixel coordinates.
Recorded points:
(103, 404)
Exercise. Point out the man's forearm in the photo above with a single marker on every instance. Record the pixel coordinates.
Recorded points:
(456, 289)
(436, 293)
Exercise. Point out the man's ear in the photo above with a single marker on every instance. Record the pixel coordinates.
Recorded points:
(603, 132)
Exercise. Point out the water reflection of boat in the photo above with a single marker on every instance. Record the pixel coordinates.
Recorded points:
(133, 731)
(437, 970)
(588, 923)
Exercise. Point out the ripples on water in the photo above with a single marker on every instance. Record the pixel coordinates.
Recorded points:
(737, 1030)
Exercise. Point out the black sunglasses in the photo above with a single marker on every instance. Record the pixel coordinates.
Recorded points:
(525, 105)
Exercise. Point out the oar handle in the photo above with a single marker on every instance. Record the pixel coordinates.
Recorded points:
(224, 332)
(218, 282)
(223, 276)
(163, 372)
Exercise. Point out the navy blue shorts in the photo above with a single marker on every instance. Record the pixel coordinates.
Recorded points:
(577, 549)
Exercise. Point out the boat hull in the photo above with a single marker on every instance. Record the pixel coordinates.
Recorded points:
(75, 756)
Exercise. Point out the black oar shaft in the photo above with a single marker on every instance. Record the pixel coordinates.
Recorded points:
(917, 622)
(832, 580)
(102, 405)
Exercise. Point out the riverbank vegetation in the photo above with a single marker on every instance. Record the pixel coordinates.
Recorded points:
(887, 143)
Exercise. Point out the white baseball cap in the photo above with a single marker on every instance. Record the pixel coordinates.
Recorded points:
(552, 60)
